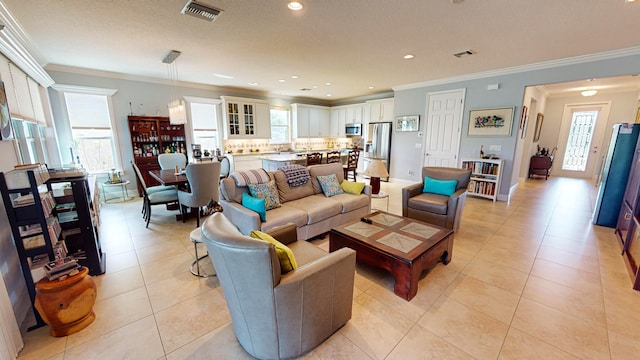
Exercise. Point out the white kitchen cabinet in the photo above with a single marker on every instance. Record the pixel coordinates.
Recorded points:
(351, 113)
(246, 118)
(263, 124)
(354, 113)
(380, 110)
(337, 123)
(310, 121)
(242, 162)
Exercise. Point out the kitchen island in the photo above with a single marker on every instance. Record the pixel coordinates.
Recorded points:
(275, 161)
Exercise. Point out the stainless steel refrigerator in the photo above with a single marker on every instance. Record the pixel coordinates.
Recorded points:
(378, 144)
(615, 175)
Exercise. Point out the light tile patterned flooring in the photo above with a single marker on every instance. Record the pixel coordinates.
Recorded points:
(529, 279)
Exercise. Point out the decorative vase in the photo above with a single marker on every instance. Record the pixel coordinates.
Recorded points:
(67, 305)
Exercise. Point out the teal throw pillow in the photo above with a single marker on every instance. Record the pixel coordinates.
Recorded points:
(330, 185)
(442, 187)
(256, 204)
(267, 191)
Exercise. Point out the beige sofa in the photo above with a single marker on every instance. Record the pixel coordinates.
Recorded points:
(305, 206)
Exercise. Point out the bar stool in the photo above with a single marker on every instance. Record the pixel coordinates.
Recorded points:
(196, 238)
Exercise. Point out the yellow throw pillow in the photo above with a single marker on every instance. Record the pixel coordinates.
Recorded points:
(285, 255)
(352, 187)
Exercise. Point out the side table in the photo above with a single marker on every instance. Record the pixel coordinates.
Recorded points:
(123, 188)
(381, 195)
(67, 305)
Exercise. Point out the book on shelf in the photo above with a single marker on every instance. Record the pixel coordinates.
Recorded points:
(63, 267)
(33, 242)
(39, 260)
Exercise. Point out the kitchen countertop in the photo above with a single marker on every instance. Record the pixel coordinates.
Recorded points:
(292, 152)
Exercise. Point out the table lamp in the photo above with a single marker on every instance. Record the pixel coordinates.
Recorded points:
(375, 171)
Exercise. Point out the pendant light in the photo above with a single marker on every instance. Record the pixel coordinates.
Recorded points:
(177, 109)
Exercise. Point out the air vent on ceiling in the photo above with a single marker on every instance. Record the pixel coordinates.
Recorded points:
(464, 53)
(200, 10)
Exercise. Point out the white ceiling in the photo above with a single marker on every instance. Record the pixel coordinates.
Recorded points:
(354, 44)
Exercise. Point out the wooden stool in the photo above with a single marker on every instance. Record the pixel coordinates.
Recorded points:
(67, 305)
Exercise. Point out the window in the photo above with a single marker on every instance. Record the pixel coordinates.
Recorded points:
(279, 125)
(205, 125)
(30, 141)
(93, 137)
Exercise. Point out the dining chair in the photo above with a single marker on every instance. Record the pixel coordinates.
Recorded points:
(314, 158)
(352, 164)
(154, 195)
(171, 160)
(333, 157)
(203, 184)
(225, 167)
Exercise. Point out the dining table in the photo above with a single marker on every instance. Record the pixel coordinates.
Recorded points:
(169, 177)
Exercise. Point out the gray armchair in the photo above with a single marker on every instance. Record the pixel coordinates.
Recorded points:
(436, 209)
(274, 315)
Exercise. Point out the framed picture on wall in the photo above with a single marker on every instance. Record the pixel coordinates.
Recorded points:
(523, 122)
(491, 122)
(536, 134)
(408, 123)
(6, 129)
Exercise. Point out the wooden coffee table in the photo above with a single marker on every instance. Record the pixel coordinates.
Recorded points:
(400, 245)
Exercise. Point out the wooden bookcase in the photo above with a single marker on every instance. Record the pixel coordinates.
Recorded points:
(486, 175)
(151, 136)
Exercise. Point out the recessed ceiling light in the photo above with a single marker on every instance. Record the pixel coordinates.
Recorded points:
(294, 76)
(589, 92)
(329, 95)
(295, 5)
(328, 83)
(315, 86)
(281, 80)
(408, 56)
(223, 76)
(371, 87)
(254, 83)
(629, 0)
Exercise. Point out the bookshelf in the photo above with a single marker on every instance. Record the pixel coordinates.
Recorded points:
(34, 225)
(486, 175)
(48, 224)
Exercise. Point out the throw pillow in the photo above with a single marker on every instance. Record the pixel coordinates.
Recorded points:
(285, 255)
(442, 187)
(267, 191)
(352, 187)
(330, 185)
(255, 204)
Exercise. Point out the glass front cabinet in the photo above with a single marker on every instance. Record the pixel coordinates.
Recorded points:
(246, 118)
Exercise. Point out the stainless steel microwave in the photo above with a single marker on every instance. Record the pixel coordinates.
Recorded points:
(354, 129)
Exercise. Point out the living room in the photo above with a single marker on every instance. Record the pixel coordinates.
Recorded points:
(410, 98)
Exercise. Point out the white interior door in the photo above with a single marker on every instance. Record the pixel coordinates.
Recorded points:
(444, 123)
(562, 165)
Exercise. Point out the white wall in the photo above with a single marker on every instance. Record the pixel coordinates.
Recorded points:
(9, 260)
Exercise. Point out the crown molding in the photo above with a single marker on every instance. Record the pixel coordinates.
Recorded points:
(83, 89)
(524, 68)
(19, 49)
